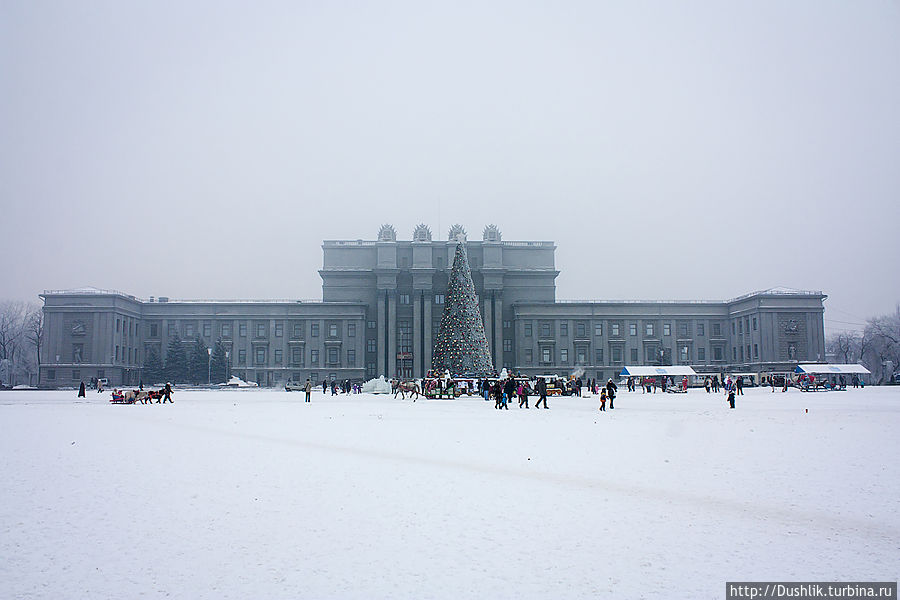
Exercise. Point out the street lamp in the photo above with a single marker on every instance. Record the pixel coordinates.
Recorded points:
(208, 366)
(227, 356)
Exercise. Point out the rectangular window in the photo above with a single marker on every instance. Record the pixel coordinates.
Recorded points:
(748, 351)
(371, 324)
(527, 328)
(717, 353)
(617, 355)
(717, 330)
(314, 330)
(740, 326)
(667, 329)
(188, 330)
(278, 356)
(733, 328)
(754, 323)
(260, 356)
(298, 330)
(546, 356)
(733, 353)
(545, 330)
(598, 356)
(297, 356)
(242, 330)
(242, 357)
(333, 356)
(370, 345)
(529, 356)
(580, 330)
(117, 353)
(279, 329)
(260, 330)
(370, 370)
(755, 350)
(351, 329)
(226, 330)
(650, 355)
(507, 345)
(117, 325)
(649, 329)
(701, 354)
(701, 329)
(403, 298)
(314, 357)
(563, 355)
(614, 330)
(171, 330)
(154, 330)
(332, 330)
(507, 324)
(632, 329)
(580, 356)
(351, 358)
(207, 330)
(51, 374)
(684, 330)
(439, 298)
(634, 355)
(598, 329)
(564, 328)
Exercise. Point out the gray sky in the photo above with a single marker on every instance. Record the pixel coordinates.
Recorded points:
(671, 149)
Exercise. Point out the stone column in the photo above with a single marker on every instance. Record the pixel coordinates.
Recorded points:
(498, 332)
(428, 319)
(380, 326)
(392, 333)
(488, 317)
(417, 333)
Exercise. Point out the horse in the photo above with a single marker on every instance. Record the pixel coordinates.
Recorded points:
(406, 386)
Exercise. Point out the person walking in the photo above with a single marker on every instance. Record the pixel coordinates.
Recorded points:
(729, 391)
(333, 387)
(707, 384)
(739, 385)
(324, 386)
(542, 392)
(611, 392)
(166, 394)
(81, 390)
(307, 388)
(523, 395)
(603, 399)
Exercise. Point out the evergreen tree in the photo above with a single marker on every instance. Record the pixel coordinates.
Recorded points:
(219, 364)
(176, 361)
(198, 362)
(153, 366)
(461, 346)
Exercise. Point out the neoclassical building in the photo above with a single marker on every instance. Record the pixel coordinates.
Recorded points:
(381, 306)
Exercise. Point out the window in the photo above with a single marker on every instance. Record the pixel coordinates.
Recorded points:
(188, 330)
(754, 323)
(314, 357)
(580, 330)
(226, 330)
(598, 329)
(171, 330)
(260, 330)
(649, 329)
(717, 330)
(242, 330)
(564, 328)
(733, 352)
(748, 351)
(370, 345)
(683, 330)
(545, 330)
(733, 328)
(333, 357)
(614, 330)
(747, 320)
(278, 356)
(701, 354)
(685, 354)
(755, 350)
(651, 356)
(117, 325)
(546, 356)
(332, 376)
(260, 356)
(439, 298)
(370, 370)
(207, 330)
(351, 358)
(580, 355)
(154, 330)
(529, 356)
(351, 329)
(314, 330)
(298, 330)
(667, 329)
(528, 329)
(76, 374)
(740, 326)
(717, 353)
(507, 345)
(297, 356)
(634, 355)
(279, 329)
(742, 353)
(242, 357)
(598, 356)
(371, 325)
(632, 329)
(701, 329)
(314, 377)
(332, 330)
(563, 355)
(117, 353)
(617, 355)
(507, 324)
(51, 374)
(403, 298)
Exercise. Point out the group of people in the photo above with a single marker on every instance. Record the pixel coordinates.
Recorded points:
(503, 392)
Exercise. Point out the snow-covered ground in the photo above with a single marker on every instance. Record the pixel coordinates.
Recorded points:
(256, 494)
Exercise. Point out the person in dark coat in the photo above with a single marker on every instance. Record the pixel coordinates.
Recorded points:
(611, 390)
(166, 394)
(307, 388)
(509, 390)
(739, 385)
(81, 390)
(542, 393)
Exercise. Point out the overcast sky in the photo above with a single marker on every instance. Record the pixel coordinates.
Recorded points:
(689, 150)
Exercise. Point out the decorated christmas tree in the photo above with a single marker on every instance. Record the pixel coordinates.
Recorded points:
(461, 346)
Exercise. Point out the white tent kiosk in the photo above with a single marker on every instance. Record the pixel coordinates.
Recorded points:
(673, 371)
(825, 369)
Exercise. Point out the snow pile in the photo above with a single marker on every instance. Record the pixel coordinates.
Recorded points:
(259, 494)
(237, 382)
(376, 386)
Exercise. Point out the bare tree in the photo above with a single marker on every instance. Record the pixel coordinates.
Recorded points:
(11, 330)
(34, 331)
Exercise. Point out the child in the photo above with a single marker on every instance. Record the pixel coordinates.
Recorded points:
(603, 399)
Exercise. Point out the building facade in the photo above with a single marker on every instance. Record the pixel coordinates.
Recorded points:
(381, 306)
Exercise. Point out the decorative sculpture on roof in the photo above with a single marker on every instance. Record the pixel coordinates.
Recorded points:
(492, 233)
(456, 231)
(422, 233)
(387, 233)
